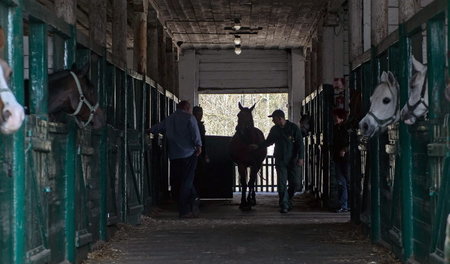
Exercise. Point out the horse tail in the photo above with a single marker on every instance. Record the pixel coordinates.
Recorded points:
(260, 174)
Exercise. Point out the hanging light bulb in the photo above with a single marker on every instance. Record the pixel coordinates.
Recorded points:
(237, 24)
(237, 49)
(237, 40)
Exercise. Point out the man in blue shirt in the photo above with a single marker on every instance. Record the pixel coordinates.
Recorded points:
(185, 145)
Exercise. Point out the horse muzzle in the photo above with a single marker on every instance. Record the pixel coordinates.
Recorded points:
(12, 118)
(367, 127)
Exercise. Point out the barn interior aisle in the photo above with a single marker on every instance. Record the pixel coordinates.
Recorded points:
(224, 234)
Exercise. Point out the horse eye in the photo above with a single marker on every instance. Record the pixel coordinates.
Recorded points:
(386, 100)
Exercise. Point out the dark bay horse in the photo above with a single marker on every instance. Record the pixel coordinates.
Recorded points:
(71, 92)
(244, 157)
(11, 112)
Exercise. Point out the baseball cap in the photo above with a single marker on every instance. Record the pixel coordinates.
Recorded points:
(277, 113)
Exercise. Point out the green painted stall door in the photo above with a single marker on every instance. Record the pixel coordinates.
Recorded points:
(56, 171)
(83, 203)
(134, 177)
(6, 174)
(38, 147)
(115, 170)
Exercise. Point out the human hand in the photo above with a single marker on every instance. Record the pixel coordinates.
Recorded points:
(342, 153)
(198, 151)
(253, 146)
(300, 162)
(207, 159)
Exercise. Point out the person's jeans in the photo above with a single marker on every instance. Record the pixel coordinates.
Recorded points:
(182, 173)
(343, 182)
(287, 173)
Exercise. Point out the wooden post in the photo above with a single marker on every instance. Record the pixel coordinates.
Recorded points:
(176, 84)
(356, 38)
(162, 57)
(152, 44)
(97, 22)
(140, 36)
(119, 32)
(169, 65)
(379, 20)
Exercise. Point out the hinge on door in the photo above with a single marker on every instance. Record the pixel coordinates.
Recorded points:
(436, 149)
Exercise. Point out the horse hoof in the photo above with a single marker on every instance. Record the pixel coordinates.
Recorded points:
(245, 207)
(252, 202)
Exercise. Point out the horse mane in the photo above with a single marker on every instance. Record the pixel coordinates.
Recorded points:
(58, 75)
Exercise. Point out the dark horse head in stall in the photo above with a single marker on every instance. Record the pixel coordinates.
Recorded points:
(71, 92)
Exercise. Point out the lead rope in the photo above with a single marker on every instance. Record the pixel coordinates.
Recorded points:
(83, 100)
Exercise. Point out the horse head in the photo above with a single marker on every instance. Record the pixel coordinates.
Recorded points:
(306, 124)
(245, 117)
(73, 93)
(417, 104)
(384, 106)
(11, 112)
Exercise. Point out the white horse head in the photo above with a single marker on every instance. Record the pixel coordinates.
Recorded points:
(11, 112)
(417, 104)
(383, 106)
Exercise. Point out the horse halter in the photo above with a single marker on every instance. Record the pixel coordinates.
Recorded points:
(412, 108)
(389, 120)
(83, 100)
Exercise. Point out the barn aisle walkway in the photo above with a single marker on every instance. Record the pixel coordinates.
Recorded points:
(224, 234)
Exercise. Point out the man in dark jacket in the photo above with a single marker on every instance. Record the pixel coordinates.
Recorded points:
(340, 158)
(288, 153)
(185, 146)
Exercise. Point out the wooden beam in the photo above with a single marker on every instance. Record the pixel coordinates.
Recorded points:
(97, 22)
(66, 9)
(379, 19)
(152, 45)
(356, 37)
(140, 37)
(119, 32)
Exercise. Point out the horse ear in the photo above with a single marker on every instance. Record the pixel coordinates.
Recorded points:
(391, 78)
(240, 106)
(417, 65)
(251, 108)
(84, 71)
(384, 77)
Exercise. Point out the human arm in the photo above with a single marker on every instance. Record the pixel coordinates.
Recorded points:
(299, 146)
(159, 128)
(195, 132)
(271, 138)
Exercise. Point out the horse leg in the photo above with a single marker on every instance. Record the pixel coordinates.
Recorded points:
(243, 180)
(251, 199)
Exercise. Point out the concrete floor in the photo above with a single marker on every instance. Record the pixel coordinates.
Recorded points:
(224, 234)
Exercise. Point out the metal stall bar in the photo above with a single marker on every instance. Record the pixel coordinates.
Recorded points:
(70, 168)
(374, 145)
(103, 150)
(405, 147)
(38, 68)
(436, 153)
(15, 59)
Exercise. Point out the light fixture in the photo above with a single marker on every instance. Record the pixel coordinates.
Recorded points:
(237, 40)
(237, 24)
(237, 49)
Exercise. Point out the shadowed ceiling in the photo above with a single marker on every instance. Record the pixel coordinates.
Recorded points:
(266, 24)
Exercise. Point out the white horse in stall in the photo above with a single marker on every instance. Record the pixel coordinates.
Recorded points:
(384, 106)
(417, 104)
(11, 112)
